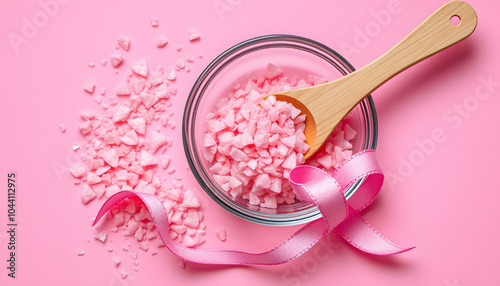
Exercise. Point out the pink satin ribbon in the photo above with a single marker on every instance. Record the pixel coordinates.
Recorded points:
(311, 185)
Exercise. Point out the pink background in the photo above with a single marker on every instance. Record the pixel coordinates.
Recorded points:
(443, 200)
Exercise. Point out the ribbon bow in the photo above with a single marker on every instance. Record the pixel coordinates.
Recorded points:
(311, 185)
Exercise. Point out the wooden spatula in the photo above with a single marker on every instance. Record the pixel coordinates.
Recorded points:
(325, 105)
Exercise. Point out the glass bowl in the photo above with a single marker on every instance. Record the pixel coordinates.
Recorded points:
(296, 56)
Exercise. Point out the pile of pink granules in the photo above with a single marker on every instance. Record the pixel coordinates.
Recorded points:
(252, 144)
(126, 149)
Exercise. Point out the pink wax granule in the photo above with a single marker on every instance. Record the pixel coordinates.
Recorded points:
(193, 35)
(62, 127)
(124, 274)
(89, 86)
(221, 234)
(154, 22)
(124, 42)
(252, 144)
(80, 252)
(161, 41)
(116, 59)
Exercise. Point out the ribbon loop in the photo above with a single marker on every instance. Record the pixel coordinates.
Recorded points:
(312, 185)
(315, 186)
(363, 165)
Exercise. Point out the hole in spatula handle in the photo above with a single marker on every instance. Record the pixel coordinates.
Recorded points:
(455, 20)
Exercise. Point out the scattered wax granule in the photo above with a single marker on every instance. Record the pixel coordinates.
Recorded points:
(89, 86)
(193, 35)
(117, 260)
(101, 236)
(116, 59)
(154, 22)
(80, 252)
(221, 234)
(161, 41)
(124, 42)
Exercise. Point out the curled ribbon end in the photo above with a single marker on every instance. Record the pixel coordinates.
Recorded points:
(403, 250)
(96, 220)
(113, 200)
(408, 249)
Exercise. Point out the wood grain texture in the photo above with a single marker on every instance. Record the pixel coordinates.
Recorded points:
(325, 105)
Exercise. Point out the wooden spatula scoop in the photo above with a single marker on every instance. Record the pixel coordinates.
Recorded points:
(325, 105)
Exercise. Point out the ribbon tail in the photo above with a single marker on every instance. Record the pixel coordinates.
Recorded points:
(360, 234)
(293, 247)
(112, 201)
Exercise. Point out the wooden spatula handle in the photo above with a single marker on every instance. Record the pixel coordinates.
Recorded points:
(431, 36)
(325, 105)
